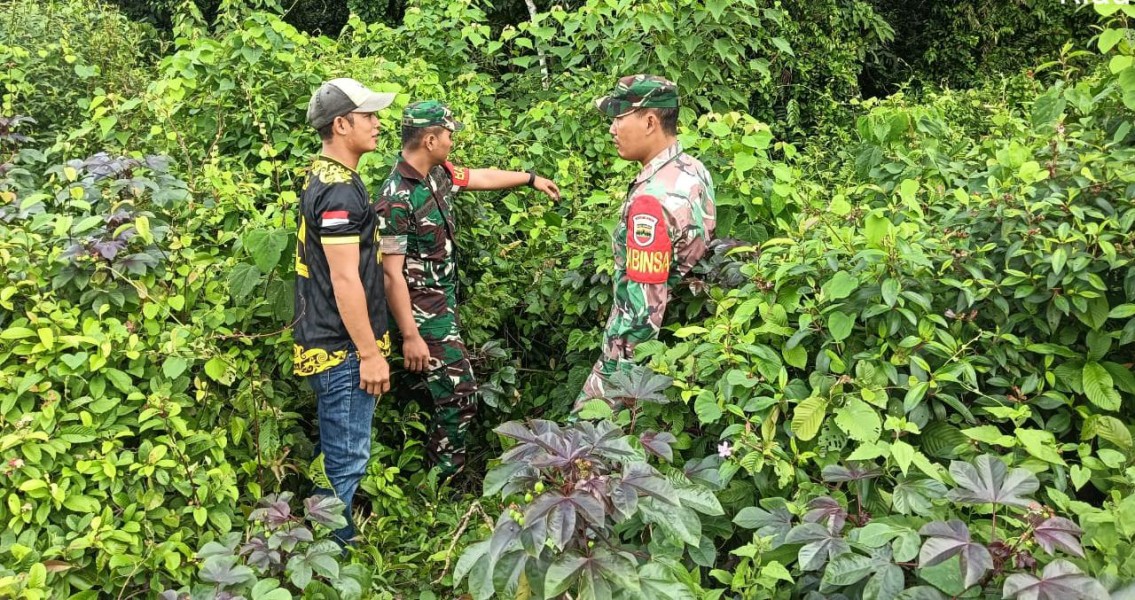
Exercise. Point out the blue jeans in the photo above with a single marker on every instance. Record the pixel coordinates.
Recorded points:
(345, 415)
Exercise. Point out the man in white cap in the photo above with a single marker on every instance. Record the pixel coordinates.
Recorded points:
(341, 338)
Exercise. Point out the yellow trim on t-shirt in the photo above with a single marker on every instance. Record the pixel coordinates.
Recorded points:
(340, 240)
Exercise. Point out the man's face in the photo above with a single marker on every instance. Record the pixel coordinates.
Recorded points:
(441, 145)
(629, 134)
(362, 131)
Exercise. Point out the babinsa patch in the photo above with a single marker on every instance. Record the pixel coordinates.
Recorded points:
(643, 227)
(648, 242)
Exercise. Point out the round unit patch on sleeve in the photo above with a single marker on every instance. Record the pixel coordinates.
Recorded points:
(648, 241)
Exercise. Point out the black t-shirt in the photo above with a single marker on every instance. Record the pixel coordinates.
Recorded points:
(334, 209)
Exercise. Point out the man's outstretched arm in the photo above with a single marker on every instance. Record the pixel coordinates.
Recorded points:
(496, 179)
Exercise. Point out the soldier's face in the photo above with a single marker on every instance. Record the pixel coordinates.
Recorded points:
(440, 145)
(628, 132)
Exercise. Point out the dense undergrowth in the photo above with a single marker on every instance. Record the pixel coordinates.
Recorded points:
(913, 379)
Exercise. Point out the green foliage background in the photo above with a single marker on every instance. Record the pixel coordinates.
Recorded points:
(932, 275)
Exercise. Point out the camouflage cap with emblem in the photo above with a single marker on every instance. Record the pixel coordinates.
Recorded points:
(638, 91)
(430, 113)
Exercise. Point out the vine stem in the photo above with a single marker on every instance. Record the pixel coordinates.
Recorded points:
(465, 519)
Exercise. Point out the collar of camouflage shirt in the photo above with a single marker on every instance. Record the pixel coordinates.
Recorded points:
(407, 171)
(670, 153)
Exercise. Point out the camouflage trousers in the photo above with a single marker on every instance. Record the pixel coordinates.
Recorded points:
(453, 390)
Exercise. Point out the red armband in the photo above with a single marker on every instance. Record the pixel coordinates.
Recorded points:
(648, 242)
(459, 175)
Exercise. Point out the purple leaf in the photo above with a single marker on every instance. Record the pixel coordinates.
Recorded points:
(947, 539)
(505, 536)
(625, 499)
(561, 524)
(989, 481)
(533, 536)
(826, 507)
(561, 512)
(819, 545)
(273, 510)
(705, 470)
(260, 555)
(605, 439)
(659, 444)
(137, 263)
(325, 510)
(853, 472)
(640, 385)
(559, 452)
(223, 571)
(776, 522)
(288, 538)
(517, 430)
(1060, 580)
(649, 482)
(108, 249)
(1058, 532)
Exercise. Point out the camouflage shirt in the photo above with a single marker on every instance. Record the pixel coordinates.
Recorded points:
(416, 220)
(667, 222)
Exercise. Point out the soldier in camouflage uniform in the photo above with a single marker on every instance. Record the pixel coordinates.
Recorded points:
(419, 249)
(667, 221)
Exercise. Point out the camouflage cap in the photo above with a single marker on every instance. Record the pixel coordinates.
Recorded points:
(429, 113)
(638, 91)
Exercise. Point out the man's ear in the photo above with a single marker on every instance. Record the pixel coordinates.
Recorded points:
(652, 122)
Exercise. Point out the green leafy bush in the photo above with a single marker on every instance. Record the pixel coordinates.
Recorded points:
(941, 278)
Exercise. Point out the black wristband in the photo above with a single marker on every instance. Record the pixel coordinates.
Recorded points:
(531, 177)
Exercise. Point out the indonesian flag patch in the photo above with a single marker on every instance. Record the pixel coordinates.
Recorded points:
(334, 218)
(648, 242)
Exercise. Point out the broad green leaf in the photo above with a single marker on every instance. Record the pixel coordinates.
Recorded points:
(990, 434)
(243, 279)
(848, 569)
(1099, 387)
(885, 584)
(903, 453)
(841, 285)
(840, 325)
(1040, 444)
(859, 420)
(174, 366)
(1108, 428)
(876, 227)
(1109, 38)
(266, 246)
(808, 416)
(216, 369)
(707, 408)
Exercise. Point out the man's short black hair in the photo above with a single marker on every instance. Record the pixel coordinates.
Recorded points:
(668, 118)
(412, 136)
(327, 132)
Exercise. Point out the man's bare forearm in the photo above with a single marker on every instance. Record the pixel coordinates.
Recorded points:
(496, 179)
(352, 302)
(398, 300)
